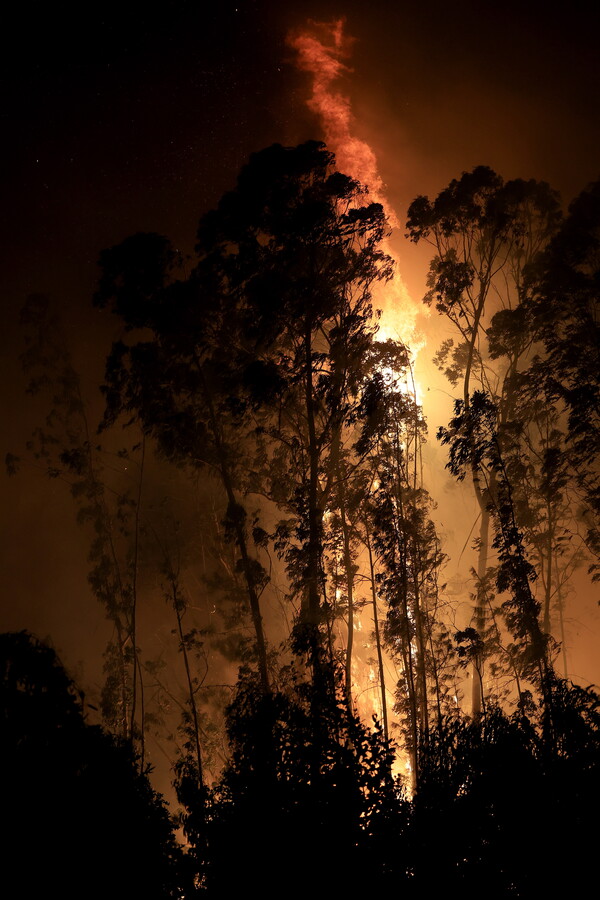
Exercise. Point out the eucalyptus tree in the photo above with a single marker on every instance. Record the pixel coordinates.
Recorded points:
(96, 815)
(473, 437)
(397, 524)
(176, 377)
(533, 450)
(562, 292)
(253, 364)
(301, 246)
(108, 500)
(484, 231)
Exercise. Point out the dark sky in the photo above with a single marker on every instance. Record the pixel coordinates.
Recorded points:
(118, 117)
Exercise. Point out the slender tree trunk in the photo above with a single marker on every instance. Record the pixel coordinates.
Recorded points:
(240, 535)
(349, 571)
(384, 712)
(484, 527)
(261, 646)
(190, 684)
(436, 679)
(314, 513)
(563, 638)
(407, 664)
(548, 586)
(402, 566)
(479, 611)
(421, 659)
(137, 672)
(417, 570)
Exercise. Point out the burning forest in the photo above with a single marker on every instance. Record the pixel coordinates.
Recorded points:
(335, 534)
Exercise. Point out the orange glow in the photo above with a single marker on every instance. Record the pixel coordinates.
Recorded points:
(323, 60)
(322, 51)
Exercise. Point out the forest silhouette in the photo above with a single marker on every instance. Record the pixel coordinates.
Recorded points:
(255, 370)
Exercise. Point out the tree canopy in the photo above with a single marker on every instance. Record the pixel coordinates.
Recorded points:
(312, 695)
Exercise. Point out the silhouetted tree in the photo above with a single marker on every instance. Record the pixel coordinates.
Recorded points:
(484, 232)
(305, 244)
(79, 819)
(562, 305)
(409, 558)
(511, 796)
(473, 439)
(65, 447)
(307, 802)
(178, 382)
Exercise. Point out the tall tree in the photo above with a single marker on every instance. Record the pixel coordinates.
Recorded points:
(65, 447)
(178, 382)
(484, 232)
(75, 805)
(253, 366)
(307, 257)
(408, 553)
(563, 287)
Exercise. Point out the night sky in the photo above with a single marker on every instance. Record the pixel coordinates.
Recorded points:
(118, 118)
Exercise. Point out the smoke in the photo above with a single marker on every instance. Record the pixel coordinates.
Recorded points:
(322, 50)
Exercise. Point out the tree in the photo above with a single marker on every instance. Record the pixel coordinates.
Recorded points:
(562, 303)
(409, 558)
(65, 447)
(473, 437)
(303, 803)
(177, 383)
(265, 341)
(484, 231)
(306, 283)
(77, 812)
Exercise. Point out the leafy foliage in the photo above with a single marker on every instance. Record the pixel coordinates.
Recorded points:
(307, 781)
(75, 807)
(261, 366)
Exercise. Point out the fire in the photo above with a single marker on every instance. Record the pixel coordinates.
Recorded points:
(322, 50)
(324, 61)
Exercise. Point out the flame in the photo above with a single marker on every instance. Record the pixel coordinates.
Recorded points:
(323, 60)
(322, 49)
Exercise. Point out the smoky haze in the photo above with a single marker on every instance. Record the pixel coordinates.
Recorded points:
(140, 124)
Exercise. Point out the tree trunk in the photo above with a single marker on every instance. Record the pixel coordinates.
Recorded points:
(137, 671)
(548, 585)
(240, 535)
(349, 571)
(384, 713)
(313, 568)
(479, 611)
